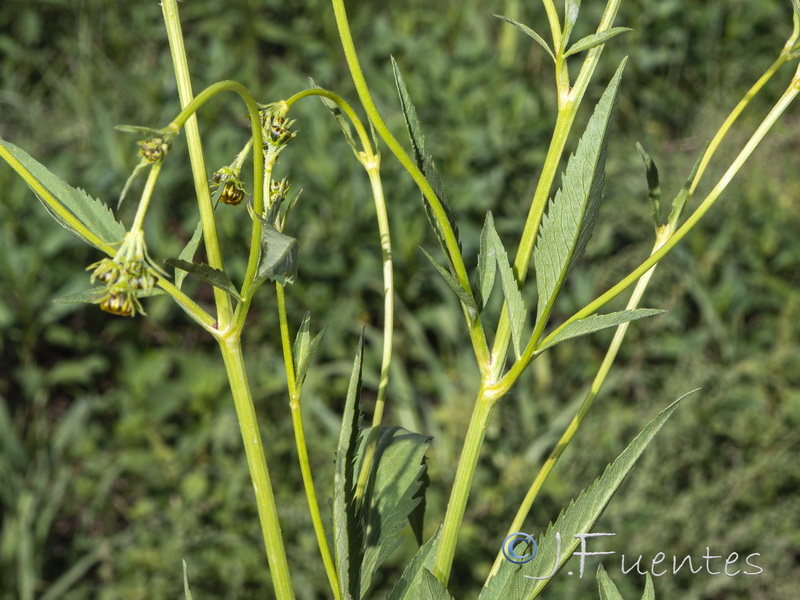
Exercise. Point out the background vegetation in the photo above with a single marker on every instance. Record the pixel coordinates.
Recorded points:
(119, 452)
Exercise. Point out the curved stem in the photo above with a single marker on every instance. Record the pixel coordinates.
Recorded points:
(476, 332)
(302, 448)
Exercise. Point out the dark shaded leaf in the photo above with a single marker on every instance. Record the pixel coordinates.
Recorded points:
(407, 587)
(278, 256)
(96, 294)
(304, 349)
(530, 32)
(653, 185)
(205, 273)
(188, 252)
(465, 298)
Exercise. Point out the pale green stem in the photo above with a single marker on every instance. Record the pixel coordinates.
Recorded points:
(147, 194)
(231, 348)
(295, 391)
(508, 380)
(196, 157)
(373, 168)
(476, 332)
(568, 110)
(457, 505)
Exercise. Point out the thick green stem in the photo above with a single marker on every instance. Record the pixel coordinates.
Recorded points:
(302, 448)
(231, 349)
(196, 157)
(457, 504)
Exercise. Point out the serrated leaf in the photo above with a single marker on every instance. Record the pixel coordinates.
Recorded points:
(407, 587)
(278, 256)
(557, 544)
(597, 323)
(431, 588)
(91, 213)
(187, 593)
(571, 10)
(487, 265)
(341, 121)
(649, 590)
(347, 533)
(679, 203)
(188, 252)
(391, 496)
(530, 32)
(465, 298)
(590, 41)
(608, 591)
(95, 294)
(517, 313)
(304, 349)
(206, 273)
(572, 214)
(424, 160)
(653, 185)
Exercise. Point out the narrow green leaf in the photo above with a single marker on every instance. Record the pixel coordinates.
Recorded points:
(143, 164)
(590, 41)
(649, 590)
(278, 256)
(424, 160)
(528, 31)
(347, 533)
(187, 593)
(391, 495)
(571, 10)
(558, 543)
(407, 587)
(431, 588)
(90, 212)
(598, 322)
(341, 120)
(487, 266)
(97, 293)
(451, 281)
(608, 591)
(796, 7)
(517, 312)
(206, 273)
(679, 203)
(304, 349)
(572, 214)
(653, 185)
(188, 252)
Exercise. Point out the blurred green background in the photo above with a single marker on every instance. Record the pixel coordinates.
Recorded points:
(119, 451)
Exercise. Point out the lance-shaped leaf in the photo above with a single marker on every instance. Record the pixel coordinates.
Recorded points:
(407, 587)
(187, 593)
(653, 184)
(608, 590)
(571, 10)
(570, 219)
(465, 298)
(679, 203)
(188, 252)
(649, 590)
(304, 349)
(517, 313)
(391, 496)
(341, 120)
(206, 273)
(88, 218)
(424, 161)
(95, 294)
(278, 256)
(598, 322)
(524, 582)
(528, 31)
(347, 531)
(431, 588)
(590, 41)
(487, 262)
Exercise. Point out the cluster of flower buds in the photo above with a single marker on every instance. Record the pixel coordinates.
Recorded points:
(276, 128)
(125, 276)
(154, 149)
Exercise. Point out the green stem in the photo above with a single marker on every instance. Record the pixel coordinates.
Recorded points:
(230, 346)
(147, 194)
(196, 157)
(786, 99)
(373, 168)
(568, 110)
(302, 448)
(477, 335)
(457, 505)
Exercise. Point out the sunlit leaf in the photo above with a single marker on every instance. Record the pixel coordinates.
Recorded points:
(487, 262)
(571, 10)
(590, 41)
(407, 587)
(598, 322)
(304, 349)
(608, 591)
